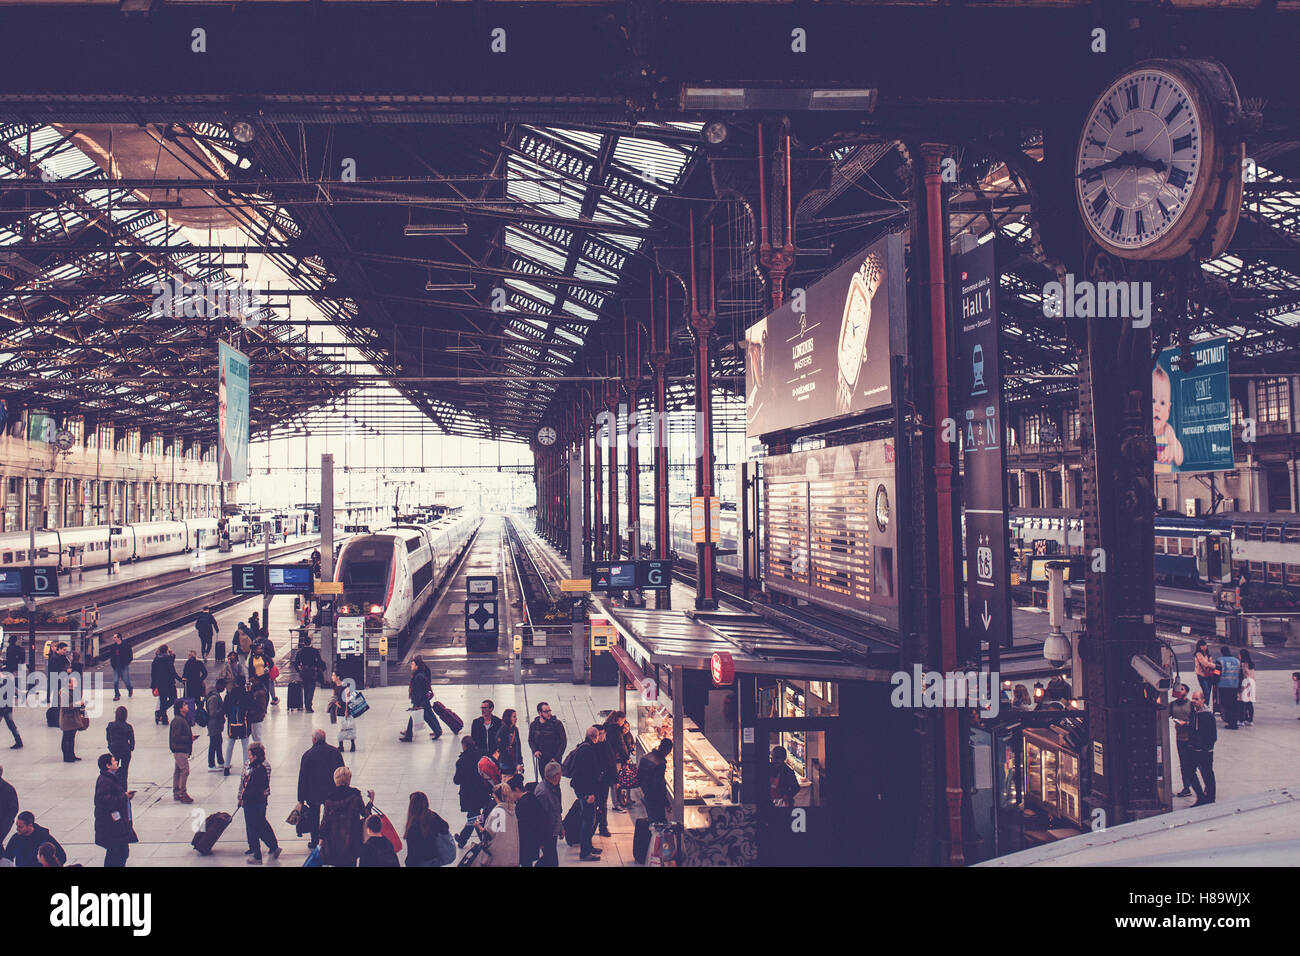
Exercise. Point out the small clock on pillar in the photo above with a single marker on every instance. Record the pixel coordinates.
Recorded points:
(1158, 168)
(546, 436)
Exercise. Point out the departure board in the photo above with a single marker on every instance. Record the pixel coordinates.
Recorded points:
(830, 533)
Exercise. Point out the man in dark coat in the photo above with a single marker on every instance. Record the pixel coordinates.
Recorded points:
(8, 806)
(484, 729)
(475, 794)
(206, 625)
(113, 830)
(181, 741)
(1203, 735)
(376, 850)
(119, 658)
(310, 666)
(195, 674)
(586, 774)
(420, 692)
(654, 790)
(546, 737)
(30, 835)
(316, 783)
(163, 679)
(531, 819)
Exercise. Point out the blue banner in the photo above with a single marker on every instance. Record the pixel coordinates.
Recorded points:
(232, 414)
(1191, 410)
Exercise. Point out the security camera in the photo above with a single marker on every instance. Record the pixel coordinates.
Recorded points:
(1056, 649)
(1151, 672)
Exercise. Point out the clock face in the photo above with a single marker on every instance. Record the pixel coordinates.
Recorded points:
(882, 509)
(1141, 158)
(546, 436)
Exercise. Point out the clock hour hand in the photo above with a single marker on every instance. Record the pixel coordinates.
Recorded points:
(1129, 159)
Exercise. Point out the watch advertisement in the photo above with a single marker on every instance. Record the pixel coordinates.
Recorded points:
(1191, 410)
(825, 353)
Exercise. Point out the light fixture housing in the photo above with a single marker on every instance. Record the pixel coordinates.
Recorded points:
(243, 131)
(776, 100)
(436, 229)
(715, 132)
(449, 287)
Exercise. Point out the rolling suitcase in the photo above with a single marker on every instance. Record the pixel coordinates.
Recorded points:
(52, 717)
(641, 841)
(219, 651)
(448, 716)
(213, 827)
(295, 695)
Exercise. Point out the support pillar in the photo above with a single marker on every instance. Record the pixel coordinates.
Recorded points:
(703, 324)
(659, 357)
(615, 552)
(598, 489)
(585, 438)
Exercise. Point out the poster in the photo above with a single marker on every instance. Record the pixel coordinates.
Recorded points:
(831, 357)
(40, 428)
(1191, 410)
(232, 414)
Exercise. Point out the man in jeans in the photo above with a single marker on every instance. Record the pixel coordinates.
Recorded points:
(119, 658)
(1204, 733)
(182, 745)
(1229, 684)
(1180, 712)
(586, 777)
(548, 797)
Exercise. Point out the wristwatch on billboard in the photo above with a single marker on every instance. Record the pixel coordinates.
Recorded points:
(854, 328)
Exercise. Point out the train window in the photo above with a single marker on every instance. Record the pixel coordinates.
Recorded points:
(20, 555)
(1160, 545)
(1293, 575)
(42, 552)
(8, 557)
(1256, 570)
(1291, 533)
(414, 545)
(1188, 546)
(1273, 532)
(1274, 574)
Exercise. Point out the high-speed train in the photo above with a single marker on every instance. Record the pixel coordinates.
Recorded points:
(130, 542)
(395, 572)
(679, 535)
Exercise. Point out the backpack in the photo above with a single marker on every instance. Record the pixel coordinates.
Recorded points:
(570, 764)
(201, 716)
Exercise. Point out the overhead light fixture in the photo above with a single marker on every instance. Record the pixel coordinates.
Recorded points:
(774, 100)
(449, 287)
(715, 133)
(436, 229)
(242, 131)
(129, 204)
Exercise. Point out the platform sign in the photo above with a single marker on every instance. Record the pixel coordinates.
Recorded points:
(248, 579)
(613, 577)
(329, 587)
(1192, 410)
(697, 519)
(232, 414)
(575, 585)
(979, 392)
(481, 585)
(289, 579)
(40, 582)
(656, 575)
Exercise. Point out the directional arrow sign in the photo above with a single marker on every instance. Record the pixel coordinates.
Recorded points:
(986, 617)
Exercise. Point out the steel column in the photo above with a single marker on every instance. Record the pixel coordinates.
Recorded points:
(659, 357)
(703, 323)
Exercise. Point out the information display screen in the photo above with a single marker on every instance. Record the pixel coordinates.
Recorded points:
(11, 583)
(830, 531)
(289, 579)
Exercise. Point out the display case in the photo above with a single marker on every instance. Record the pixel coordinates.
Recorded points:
(1052, 774)
(795, 742)
(707, 775)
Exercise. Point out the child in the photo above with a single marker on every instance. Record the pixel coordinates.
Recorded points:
(1246, 697)
(1169, 450)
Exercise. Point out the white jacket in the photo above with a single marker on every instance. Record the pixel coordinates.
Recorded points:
(1247, 693)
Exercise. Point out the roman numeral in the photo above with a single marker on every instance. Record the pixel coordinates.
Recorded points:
(1110, 114)
(1163, 211)
(1096, 142)
(1117, 224)
(1182, 143)
(1100, 203)
(1177, 177)
(1178, 108)
(1141, 226)
(1131, 97)
(1155, 95)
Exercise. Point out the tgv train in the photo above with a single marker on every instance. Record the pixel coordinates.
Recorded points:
(395, 572)
(130, 542)
(679, 535)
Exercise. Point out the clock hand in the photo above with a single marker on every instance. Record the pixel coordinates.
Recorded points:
(1129, 159)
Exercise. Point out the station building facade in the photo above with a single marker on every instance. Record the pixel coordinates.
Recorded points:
(110, 474)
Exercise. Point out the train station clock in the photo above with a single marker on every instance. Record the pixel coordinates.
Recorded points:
(1158, 168)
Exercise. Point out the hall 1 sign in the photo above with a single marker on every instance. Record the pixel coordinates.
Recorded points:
(979, 390)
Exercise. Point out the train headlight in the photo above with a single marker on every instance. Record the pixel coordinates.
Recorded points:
(376, 609)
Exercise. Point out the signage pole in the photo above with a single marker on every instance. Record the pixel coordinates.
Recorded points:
(327, 554)
(28, 599)
(576, 542)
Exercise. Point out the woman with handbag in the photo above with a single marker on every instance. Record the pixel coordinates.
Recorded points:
(428, 836)
(72, 718)
(347, 723)
(509, 753)
(1205, 669)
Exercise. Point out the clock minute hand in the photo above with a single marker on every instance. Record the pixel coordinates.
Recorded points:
(1131, 158)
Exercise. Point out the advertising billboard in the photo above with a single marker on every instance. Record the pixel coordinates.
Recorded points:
(41, 428)
(825, 353)
(1191, 410)
(232, 414)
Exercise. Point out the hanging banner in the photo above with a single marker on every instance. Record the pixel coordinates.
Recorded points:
(232, 414)
(825, 353)
(1191, 410)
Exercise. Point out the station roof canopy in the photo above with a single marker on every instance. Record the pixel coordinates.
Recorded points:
(471, 251)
